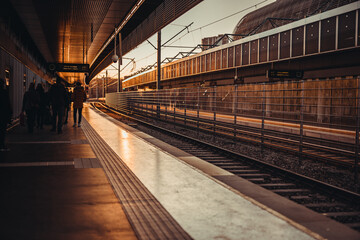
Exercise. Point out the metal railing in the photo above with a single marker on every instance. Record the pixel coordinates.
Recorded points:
(324, 113)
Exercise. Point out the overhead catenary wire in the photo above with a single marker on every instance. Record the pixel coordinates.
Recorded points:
(221, 19)
(241, 11)
(169, 42)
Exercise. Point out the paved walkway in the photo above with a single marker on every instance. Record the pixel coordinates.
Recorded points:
(52, 187)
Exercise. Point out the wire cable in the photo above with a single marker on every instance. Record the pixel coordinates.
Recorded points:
(221, 19)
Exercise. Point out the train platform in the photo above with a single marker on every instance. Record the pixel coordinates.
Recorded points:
(106, 180)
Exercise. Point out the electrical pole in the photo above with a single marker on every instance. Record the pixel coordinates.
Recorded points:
(119, 64)
(106, 83)
(158, 85)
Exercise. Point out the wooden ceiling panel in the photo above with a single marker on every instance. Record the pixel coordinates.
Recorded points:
(71, 31)
(75, 31)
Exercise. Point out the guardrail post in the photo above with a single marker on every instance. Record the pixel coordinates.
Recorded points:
(147, 107)
(185, 106)
(166, 105)
(158, 82)
(356, 167)
(143, 104)
(157, 104)
(174, 110)
(214, 109)
(97, 89)
(301, 123)
(198, 111)
(235, 105)
(263, 119)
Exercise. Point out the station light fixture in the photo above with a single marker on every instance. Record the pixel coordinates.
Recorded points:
(114, 57)
(118, 29)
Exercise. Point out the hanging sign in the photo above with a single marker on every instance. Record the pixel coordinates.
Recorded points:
(68, 67)
(284, 74)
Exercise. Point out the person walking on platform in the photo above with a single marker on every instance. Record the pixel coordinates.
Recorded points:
(78, 97)
(30, 106)
(57, 95)
(42, 106)
(5, 114)
(67, 105)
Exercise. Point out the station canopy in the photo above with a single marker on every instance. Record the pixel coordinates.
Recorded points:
(77, 32)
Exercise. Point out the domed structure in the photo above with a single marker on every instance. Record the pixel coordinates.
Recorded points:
(282, 12)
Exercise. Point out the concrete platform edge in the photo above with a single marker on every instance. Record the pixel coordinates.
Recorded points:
(192, 164)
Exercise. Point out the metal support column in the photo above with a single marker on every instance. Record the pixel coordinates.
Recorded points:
(235, 105)
(158, 104)
(106, 84)
(166, 111)
(103, 90)
(119, 64)
(175, 102)
(185, 106)
(158, 84)
(198, 111)
(214, 106)
(97, 89)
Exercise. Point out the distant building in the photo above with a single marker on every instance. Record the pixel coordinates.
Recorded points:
(283, 12)
(209, 42)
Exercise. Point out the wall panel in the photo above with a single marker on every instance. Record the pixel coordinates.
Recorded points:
(347, 30)
(273, 50)
(297, 42)
(328, 31)
(312, 38)
(254, 45)
(245, 53)
(285, 44)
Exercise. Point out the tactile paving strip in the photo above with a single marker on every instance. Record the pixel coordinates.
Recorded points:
(148, 217)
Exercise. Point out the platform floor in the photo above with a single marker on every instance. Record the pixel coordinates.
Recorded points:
(203, 206)
(107, 181)
(43, 195)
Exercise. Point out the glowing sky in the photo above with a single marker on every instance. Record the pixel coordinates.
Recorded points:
(204, 13)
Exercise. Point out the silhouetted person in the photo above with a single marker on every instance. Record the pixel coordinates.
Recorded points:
(67, 105)
(78, 97)
(30, 106)
(57, 95)
(47, 114)
(5, 113)
(42, 106)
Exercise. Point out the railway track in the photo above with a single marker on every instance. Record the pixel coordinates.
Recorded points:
(329, 151)
(334, 202)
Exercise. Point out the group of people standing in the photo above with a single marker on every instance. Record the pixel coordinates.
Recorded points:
(40, 106)
(37, 104)
(34, 104)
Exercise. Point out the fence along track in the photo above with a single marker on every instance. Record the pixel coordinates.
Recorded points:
(332, 151)
(313, 118)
